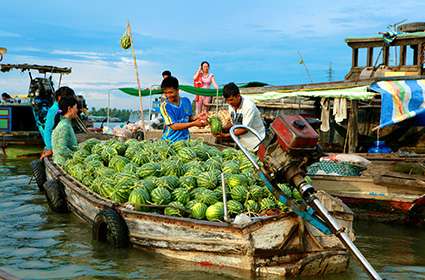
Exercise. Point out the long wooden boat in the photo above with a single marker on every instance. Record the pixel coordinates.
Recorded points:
(380, 193)
(282, 244)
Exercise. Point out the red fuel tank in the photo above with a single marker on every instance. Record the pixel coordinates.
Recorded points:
(293, 132)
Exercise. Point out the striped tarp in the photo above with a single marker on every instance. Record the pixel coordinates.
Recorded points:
(400, 100)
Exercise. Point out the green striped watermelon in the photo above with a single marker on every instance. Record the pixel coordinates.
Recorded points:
(161, 196)
(215, 212)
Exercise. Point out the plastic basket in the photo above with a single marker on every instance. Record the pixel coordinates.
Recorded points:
(333, 168)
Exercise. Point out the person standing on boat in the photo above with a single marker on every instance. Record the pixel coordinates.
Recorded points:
(243, 112)
(203, 79)
(50, 120)
(64, 140)
(177, 112)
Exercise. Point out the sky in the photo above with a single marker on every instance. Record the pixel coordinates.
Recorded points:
(244, 40)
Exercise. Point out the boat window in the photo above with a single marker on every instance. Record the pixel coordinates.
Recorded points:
(362, 59)
(410, 55)
(394, 56)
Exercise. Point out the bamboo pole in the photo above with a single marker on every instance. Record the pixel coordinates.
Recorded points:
(137, 75)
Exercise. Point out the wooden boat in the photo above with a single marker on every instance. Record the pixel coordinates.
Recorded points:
(379, 193)
(282, 244)
(22, 119)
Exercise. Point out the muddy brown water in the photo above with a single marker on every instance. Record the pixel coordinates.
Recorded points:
(36, 243)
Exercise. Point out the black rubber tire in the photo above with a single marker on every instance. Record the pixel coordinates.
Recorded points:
(110, 227)
(39, 173)
(412, 27)
(56, 197)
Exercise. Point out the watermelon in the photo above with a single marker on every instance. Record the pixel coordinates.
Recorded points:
(145, 183)
(80, 155)
(213, 163)
(207, 180)
(215, 212)
(105, 172)
(175, 209)
(130, 168)
(181, 195)
(267, 203)
(251, 206)
(190, 204)
(139, 158)
(188, 182)
(186, 154)
(198, 210)
(120, 147)
(92, 157)
(89, 144)
(234, 207)
(215, 124)
(176, 146)
(231, 167)
(149, 169)
(93, 165)
(285, 189)
(161, 196)
(108, 153)
(120, 194)
(98, 148)
(200, 152)
(239, 193)
(234, 180)
(230, 153)
(256, 192)
(139, 197)
(125, 41)
(207, 197)
(118, 163)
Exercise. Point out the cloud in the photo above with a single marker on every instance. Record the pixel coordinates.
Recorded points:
(91, 78)
(9, 34)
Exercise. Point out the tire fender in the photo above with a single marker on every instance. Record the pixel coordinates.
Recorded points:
(39, 173)
(56, 197)
(110, 227)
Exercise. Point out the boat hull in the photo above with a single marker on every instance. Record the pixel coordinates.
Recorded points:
(282, 245)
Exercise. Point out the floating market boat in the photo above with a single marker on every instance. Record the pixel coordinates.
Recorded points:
(365, 100)
(280, 244)
(380, 193)
(22, 118)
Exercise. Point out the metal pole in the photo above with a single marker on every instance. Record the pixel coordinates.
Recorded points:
(223, 187)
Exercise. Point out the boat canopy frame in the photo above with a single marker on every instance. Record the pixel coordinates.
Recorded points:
(42, 69)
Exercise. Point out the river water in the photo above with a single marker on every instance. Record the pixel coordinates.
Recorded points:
(36, 243)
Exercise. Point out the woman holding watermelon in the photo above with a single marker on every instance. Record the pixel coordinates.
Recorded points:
(203, 79)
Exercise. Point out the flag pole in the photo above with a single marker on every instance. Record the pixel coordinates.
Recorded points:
(305, 66)
(142, 117)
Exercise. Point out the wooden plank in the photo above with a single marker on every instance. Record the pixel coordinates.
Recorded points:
(355, 57)
(369, 57)
(385, 55)
(402, 55)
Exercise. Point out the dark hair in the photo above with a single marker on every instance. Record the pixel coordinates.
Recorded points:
(166, 73)
(64, 91)
(5, 95)
(205, 62)
(66, 102)
(170, 82)
(230, 89)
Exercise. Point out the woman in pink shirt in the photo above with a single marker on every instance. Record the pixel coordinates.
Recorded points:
(203, 79)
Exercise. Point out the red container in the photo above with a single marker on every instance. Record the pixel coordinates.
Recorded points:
(294, 133)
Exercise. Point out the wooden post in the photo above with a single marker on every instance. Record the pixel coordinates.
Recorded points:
(352, 128)
(139, 88)
(402, 55)
(415, 54)
(385, 55)
(369, 56)
(355, 57)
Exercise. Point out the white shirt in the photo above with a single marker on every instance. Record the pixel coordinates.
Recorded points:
(248, 114)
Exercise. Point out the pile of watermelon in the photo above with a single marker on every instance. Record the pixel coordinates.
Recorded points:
(179, 179)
